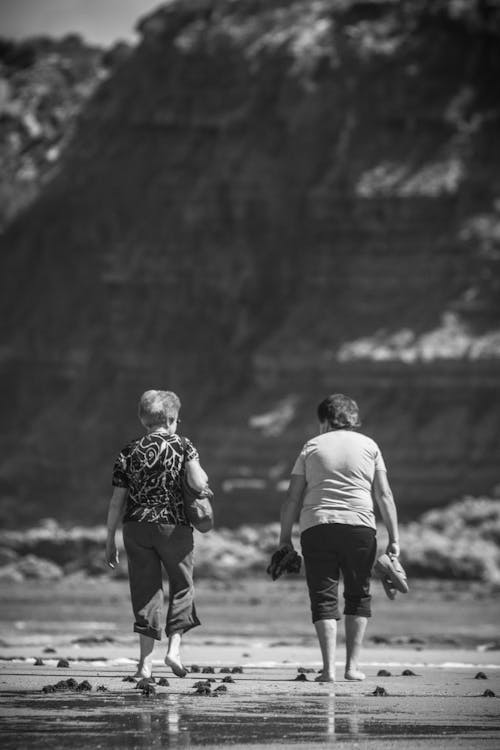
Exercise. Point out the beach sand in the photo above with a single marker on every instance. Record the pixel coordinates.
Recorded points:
(265, 630)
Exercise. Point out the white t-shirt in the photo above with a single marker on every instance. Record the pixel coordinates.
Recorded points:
(339, 467)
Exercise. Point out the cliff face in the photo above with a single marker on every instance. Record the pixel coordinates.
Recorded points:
(265, 203)
(44, 84)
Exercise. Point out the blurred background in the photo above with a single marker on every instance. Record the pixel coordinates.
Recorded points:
(254, 203)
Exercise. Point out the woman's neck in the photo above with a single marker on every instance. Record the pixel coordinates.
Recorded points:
(163, 430)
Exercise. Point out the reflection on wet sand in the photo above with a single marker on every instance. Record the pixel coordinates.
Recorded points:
(180, 720)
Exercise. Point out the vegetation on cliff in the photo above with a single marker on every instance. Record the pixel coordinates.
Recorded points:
(44, 85)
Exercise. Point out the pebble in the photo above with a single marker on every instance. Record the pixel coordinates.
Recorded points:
(301, 678)
(142, 684)
(62, 685)
(221, 689)
(383, 673)
(489, 694)
(149, 689)
(223, 670)
(208, 670)
(202, 684)
(39, 662)
(195, 668)
(228, 679)
(379, 691)
(237, 670)
(203, 690)
(84, 686)
(163, 682)
(480, 676)
(101, 689)
(63, 663)
(408, 673)
(49, 650)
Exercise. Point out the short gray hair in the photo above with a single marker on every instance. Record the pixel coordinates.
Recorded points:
(156, 408)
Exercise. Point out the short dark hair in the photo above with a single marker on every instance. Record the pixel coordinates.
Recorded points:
(341, 412)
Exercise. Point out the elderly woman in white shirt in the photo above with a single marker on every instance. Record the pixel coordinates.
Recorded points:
(334, 482)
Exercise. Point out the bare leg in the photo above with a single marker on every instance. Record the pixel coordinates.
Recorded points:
(355, 627)
(146, 645)
(173, 657)
(326, 631)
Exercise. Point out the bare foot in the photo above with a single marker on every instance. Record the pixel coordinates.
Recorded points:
(325, 677)
(175, 665)
(143, 671)
(354, 674)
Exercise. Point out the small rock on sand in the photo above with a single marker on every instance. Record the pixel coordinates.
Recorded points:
(142, 684)
(63, 663)
(383, 673)
(84, 686)
(380, 691)
(203, 690)
(480, 676)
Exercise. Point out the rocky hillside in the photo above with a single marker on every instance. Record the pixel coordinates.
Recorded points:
(264, 203)
(44, 84)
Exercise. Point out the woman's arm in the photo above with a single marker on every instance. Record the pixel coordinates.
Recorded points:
(290, 508)
(385, 501)
(196, 476)
(115, 513)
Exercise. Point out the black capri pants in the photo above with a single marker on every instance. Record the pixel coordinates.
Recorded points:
(331, 548)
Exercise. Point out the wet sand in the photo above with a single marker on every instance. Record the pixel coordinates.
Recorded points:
(442, 704)
(265, 706)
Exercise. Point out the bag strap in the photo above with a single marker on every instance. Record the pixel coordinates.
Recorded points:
(184, 449)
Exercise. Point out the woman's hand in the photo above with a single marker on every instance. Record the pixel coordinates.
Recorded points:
(112, 556)
(393, 549)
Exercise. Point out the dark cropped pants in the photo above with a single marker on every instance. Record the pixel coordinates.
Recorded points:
(331, 548)
(148, 546)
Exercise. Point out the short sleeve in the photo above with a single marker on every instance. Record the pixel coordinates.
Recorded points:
(379, 460)
(120, 478)
(299, 466)
(191, 452)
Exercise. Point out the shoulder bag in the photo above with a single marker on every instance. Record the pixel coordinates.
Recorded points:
(197, 505)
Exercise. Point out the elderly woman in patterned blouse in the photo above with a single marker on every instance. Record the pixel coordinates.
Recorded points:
(147, 496)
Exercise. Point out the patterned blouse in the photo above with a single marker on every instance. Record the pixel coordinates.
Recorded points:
(151, 468)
